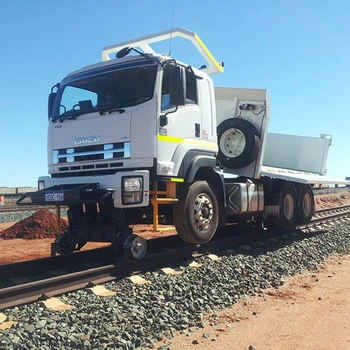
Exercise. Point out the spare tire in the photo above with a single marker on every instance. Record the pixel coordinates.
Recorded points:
(239, 143)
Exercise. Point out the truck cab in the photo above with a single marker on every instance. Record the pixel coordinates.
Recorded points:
(148, 113)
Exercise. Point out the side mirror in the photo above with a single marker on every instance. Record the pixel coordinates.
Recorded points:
(52, 98)
(50, 104)
(177, 88)
(123, 52)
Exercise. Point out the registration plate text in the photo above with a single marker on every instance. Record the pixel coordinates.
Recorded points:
(54, 197)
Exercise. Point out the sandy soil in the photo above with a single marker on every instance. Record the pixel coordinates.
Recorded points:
(310, 311)
(15, 250)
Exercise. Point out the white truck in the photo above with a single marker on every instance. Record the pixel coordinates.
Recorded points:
(144, 138)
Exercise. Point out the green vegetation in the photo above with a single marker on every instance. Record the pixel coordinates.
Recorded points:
(343, 250)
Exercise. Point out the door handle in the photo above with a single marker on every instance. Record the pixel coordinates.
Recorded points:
(197, 130)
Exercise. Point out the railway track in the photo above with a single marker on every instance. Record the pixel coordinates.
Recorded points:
(31, 280)
(331, 214)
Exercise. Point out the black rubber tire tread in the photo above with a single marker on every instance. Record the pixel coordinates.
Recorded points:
(284, 222)
(305, 218)
(183, 213)
(63, 245)
(253, 143)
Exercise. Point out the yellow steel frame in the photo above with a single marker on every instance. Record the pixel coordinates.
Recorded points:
(170, 198)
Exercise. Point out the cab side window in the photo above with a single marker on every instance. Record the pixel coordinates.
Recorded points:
(191, 89)
(165, 103)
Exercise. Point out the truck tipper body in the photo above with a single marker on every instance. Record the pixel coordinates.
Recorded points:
(144, 138)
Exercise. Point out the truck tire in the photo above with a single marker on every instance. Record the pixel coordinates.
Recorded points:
(239, 143)
(306, 207)
(288, 204)
(196, 215)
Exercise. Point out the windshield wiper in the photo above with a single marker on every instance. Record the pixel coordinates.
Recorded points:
(130, 102)
(71, 115)
(110, 109)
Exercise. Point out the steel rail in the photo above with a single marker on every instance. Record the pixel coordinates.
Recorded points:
(31, 291)
(332, 214)
(341, 207)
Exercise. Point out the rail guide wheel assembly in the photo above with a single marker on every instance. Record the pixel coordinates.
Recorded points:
(136, 246)
(64, 244)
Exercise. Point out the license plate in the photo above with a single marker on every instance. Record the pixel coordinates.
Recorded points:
(54, 197)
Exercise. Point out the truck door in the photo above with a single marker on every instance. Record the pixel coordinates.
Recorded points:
(179, 126)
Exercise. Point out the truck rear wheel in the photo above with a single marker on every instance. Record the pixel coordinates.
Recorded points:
(306, 205)
(239, 143)
(288, 206)
(196, 215)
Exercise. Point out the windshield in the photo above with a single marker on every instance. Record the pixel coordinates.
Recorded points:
(104, 90)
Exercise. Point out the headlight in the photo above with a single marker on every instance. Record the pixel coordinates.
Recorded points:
(132, 184)
(41, 185)
(132, 190)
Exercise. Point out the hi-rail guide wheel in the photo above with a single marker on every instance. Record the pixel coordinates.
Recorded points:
(136, 246)
(64, 245)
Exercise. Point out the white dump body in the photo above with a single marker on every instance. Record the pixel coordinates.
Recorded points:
(297, 158)
(301, 177)
(300, 153)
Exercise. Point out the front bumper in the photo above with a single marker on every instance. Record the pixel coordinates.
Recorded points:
(65, 195)
(86, 189)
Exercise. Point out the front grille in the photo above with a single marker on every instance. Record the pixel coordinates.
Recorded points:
(108, 151)
(90, 159)
(84, 173)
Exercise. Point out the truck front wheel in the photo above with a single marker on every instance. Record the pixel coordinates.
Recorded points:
(196, 215)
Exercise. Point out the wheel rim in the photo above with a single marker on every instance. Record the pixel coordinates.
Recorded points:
(232, 143)
(138, 247)
(203, 212)
(307, 204)
(289, 207)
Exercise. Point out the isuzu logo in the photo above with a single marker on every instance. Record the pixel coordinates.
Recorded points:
(87, 139)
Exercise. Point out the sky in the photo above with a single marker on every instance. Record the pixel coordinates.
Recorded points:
(297, 49)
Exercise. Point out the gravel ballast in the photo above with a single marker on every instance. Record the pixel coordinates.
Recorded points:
(14, 216)
(140, 315)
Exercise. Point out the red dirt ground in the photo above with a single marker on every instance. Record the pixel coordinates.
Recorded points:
(332, 200)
